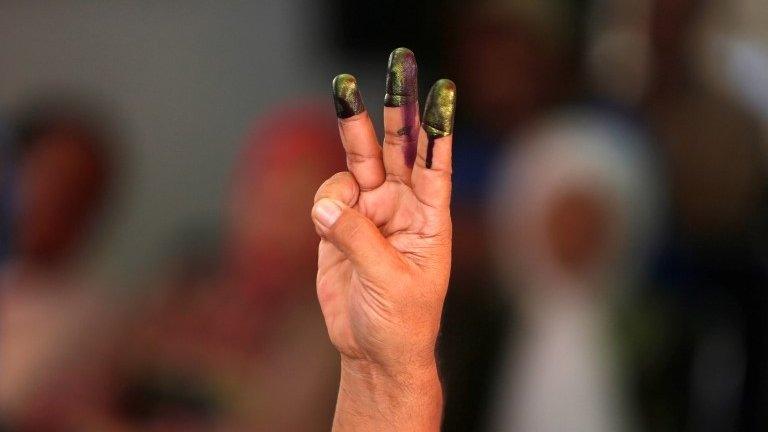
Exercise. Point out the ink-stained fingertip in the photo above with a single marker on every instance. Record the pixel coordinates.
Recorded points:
(402, 77)
(439, 109)
(346, 96)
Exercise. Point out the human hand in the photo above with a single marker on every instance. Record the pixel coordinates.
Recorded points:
(385, 251)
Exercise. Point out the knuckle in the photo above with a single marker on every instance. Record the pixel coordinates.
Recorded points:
(341, 177)
(359, 158)
(399, 138)
(335, 185)
(397, 177)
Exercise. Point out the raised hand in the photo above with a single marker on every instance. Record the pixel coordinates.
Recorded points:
(385, 251)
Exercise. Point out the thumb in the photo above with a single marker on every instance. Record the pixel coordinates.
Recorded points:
(356, 236)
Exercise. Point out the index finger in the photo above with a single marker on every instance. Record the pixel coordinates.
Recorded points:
(364, 158)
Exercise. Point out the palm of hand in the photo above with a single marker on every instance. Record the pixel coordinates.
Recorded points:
(356, 308)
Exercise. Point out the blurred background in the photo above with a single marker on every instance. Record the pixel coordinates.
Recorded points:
(157, 167)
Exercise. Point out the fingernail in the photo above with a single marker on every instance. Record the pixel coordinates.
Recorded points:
(327, 212)
(402, 86)
(346, 96)
(439, 109)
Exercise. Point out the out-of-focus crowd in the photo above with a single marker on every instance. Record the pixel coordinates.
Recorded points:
(610, 258)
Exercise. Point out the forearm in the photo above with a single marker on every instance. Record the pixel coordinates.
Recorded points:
(372, 400)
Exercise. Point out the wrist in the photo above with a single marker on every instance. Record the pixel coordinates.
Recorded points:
(373, 398)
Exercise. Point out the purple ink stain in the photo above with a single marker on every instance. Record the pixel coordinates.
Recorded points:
(409, 120)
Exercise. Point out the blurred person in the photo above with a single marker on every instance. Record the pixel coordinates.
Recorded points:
(574, 215)
(711, 268)
(710, 141)
(514, 55)
(515, 61)
(52, 317)
(239, 344)
(714, 263)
